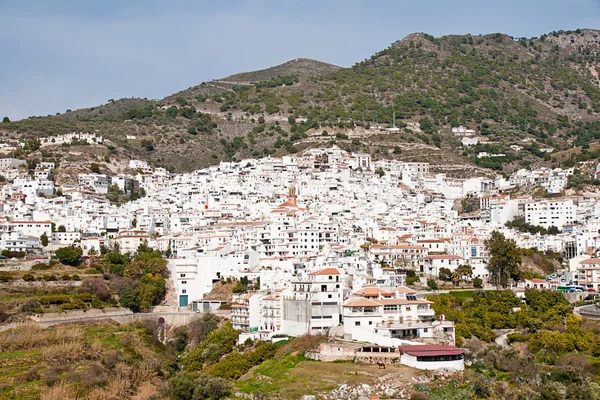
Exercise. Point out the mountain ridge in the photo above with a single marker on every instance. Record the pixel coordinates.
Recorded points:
(530, 92)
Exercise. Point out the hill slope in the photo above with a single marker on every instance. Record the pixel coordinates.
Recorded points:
(300, 66)
(532, 93)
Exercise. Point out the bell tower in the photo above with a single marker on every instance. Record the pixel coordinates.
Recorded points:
(292, 195)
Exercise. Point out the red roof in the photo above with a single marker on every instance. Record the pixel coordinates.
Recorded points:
(443, 256)
(431, 350)
(326, 271)
(591, 261)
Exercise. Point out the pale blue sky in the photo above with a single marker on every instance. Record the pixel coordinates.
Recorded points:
(60, 54)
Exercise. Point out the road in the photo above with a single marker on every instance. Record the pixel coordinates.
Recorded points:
(502, 339)
(590, 311)
(120, 317)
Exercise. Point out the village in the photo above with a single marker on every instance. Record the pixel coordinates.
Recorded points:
(325, 242)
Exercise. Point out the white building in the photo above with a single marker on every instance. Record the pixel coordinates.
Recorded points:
(313, 305)
(550, 212)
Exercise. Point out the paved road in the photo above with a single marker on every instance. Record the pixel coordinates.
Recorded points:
(502, 339)
(591, 311)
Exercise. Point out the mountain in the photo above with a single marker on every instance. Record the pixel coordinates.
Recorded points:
(524, 96)
(300, 66)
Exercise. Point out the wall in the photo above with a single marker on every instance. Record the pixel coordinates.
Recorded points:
(411, 361)
(364, 335)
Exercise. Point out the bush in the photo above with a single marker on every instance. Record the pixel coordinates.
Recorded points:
(201, 327)
(478, 283)
(40, 267)
(69, 255)
(28, 278)
(225, 337)
(186, 387)
(410, 280)
(97, 287)
(12, 254)
(30, 306)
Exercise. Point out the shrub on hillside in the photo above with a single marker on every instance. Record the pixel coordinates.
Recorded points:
(69, 255)
(188, 387)
(12, 254)
(40, 267)
(97, 287)
(30, 306)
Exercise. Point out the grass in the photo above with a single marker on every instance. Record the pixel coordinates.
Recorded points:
(102, 360)
(293, 376)
(19, 353)
(462, 294)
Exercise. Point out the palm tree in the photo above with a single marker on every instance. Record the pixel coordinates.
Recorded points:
(462, 272)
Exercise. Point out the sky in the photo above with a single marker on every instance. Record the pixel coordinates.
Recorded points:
(68, 54)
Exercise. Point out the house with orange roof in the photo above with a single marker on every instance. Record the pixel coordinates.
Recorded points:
(394, 317)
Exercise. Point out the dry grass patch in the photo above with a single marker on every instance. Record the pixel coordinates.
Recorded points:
(64, 352)
(60, 391)
(31, 336)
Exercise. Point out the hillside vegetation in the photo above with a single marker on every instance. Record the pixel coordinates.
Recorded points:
(538, 93)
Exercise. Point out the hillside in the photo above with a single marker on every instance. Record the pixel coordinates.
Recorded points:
(536, 93)
(300, 66)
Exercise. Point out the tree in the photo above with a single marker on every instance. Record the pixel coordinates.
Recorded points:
(445, 274)
(61, 228)
(69, 255)
(44, 239)
(188, 387)
(505, 258)
(379, 171)
(128, 298)
(432, 284)
(5, 119)
(462, 272)
(478, 283)
(95, 168)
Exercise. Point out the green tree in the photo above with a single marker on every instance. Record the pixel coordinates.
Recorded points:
(95, 168)
(505, 258)
(44, 239)
(188, 387)
(462, 272)
(69, 255)
(5, 119)
(380, 172)
(445, 274)
(129, 299)
(432, 284)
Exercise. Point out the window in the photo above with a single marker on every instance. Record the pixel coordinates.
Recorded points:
(183, 291)
(184, 282)
(182, 276)
(328, 296)
(356, 323)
